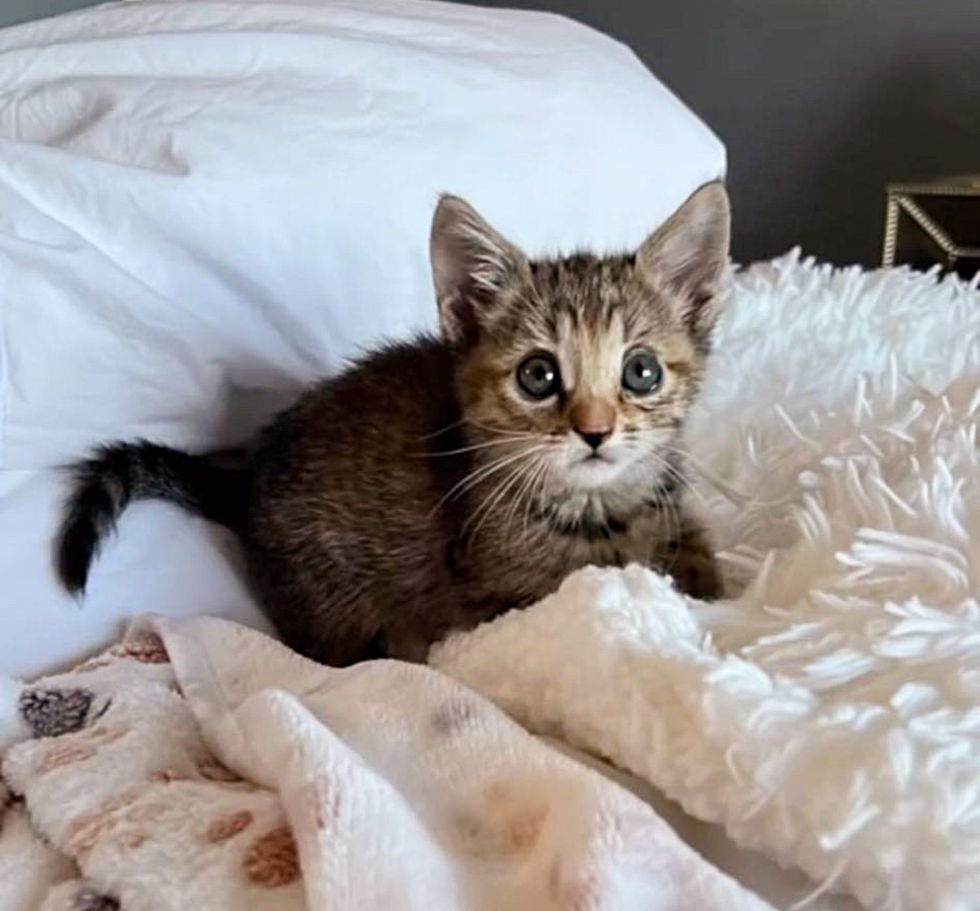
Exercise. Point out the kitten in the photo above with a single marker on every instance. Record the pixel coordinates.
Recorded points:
(442, 481)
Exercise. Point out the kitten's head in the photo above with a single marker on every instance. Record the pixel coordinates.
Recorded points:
(583, 368)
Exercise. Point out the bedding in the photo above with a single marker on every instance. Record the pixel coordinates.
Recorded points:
(201, 764)
(825, 717)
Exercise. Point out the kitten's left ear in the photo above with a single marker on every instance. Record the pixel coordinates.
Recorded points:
(471, 264)
(690, 253)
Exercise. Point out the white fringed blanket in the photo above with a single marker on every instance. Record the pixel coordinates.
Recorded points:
(830, 715)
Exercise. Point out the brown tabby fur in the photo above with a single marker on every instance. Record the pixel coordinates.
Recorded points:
(421, 491)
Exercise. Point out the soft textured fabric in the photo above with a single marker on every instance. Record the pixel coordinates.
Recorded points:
(205, 205)
(200, 764)
(827, 715)
(797, 400)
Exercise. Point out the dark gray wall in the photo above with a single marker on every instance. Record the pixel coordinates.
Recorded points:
(14, 11)
(820, 102)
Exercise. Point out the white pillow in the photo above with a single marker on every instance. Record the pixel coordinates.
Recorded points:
(205, 205)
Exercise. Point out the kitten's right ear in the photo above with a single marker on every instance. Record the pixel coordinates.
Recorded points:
(471, 264)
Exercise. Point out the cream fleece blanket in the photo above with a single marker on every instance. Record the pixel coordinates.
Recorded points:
(202, 765)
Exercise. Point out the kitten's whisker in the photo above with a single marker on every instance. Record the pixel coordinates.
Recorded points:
(495, 496)
(504, 431)
(673, 471)
(474, 477)
(728, 491)
(529, 475)
(523, 473)
(499, 431)
(678, 527)
(523, 453)
(499, 493)
(442, 430)
(540, 480)
(666, 507)
(478, 475)
(534, 490)
(462, 449)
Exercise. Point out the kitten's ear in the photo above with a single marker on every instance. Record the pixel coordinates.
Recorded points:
(471, 264)
(690, 253)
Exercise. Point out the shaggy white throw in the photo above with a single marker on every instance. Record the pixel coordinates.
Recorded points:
(201, 765)
(830, 714)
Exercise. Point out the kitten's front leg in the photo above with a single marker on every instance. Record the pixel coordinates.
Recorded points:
(693, 566)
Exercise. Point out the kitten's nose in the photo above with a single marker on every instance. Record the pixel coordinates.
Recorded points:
(593, 438)
(593, 421)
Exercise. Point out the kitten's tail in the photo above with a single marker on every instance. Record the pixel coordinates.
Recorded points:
(212, 486)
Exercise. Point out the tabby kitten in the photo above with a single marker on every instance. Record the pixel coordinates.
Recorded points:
(442, 481)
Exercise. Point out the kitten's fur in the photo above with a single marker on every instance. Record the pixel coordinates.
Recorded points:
(421, 490)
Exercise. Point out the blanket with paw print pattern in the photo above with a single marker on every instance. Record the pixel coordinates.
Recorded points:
(199, 764)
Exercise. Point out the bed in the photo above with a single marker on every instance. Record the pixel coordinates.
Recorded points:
(205, 205)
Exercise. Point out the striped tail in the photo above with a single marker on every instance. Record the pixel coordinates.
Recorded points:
(118, 473)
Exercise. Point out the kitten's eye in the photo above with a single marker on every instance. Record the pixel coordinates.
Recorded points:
(538, 376)
(641, 372)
